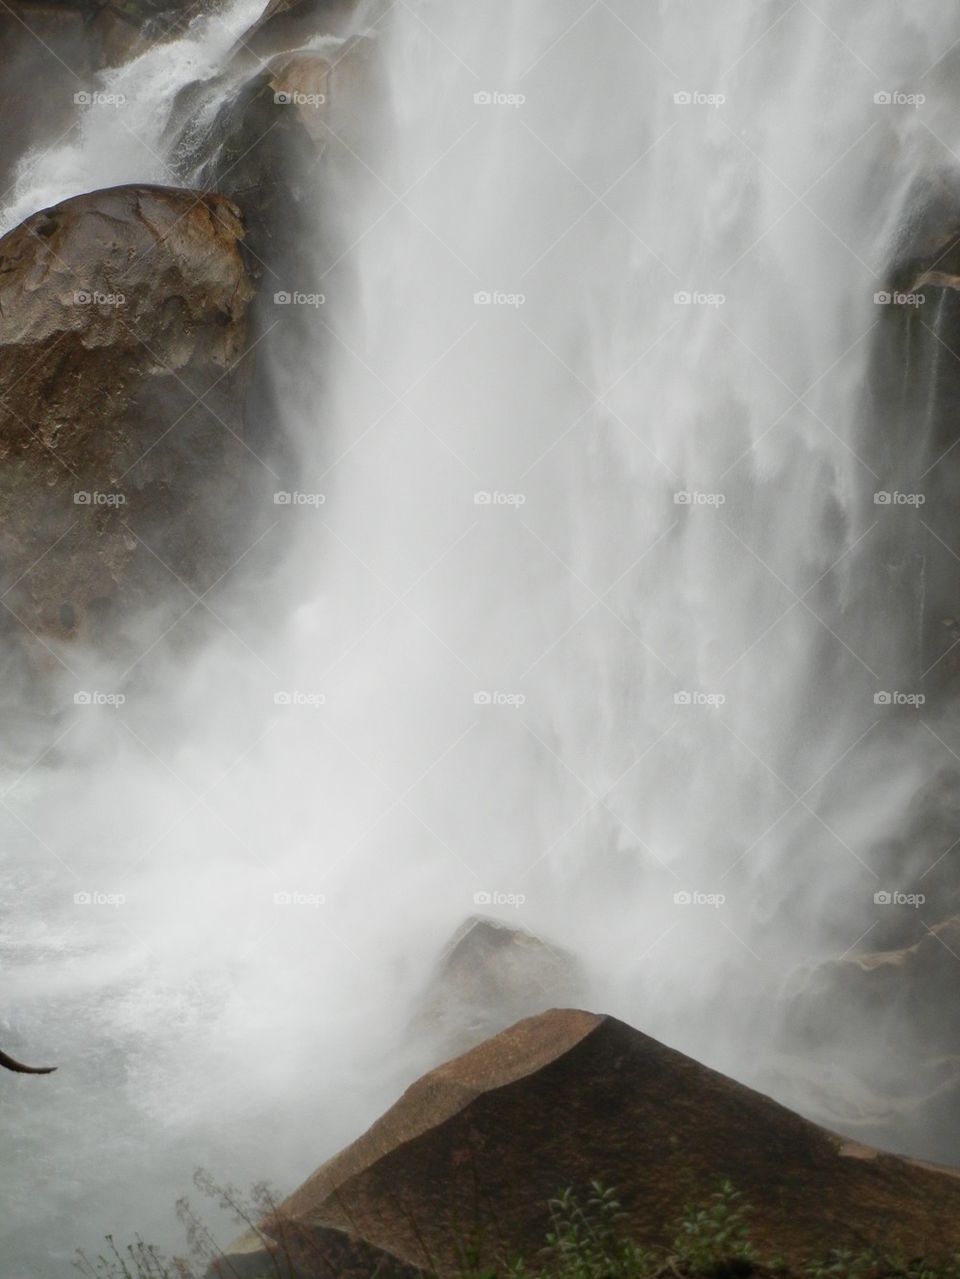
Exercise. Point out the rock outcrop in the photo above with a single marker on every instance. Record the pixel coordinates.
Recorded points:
(124, 457)
(473, 1151)
(265, 146)
(281, 143)
(890, 1020)
(488, 977)
(908, 997)
(287, 24)
(67, 39)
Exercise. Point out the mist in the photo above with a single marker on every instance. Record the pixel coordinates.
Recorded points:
(568, 599)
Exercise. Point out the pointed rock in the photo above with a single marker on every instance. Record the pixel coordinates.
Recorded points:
(472, 1152)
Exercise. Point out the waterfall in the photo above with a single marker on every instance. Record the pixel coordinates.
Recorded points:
(587, 620)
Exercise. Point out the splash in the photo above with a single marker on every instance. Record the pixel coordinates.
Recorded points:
(584, 613)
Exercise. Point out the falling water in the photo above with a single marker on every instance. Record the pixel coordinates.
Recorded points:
(591, 617)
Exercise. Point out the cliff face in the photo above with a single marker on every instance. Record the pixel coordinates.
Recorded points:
(473, 1151)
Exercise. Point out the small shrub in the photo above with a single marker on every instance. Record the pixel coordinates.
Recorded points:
(715, 1233)
(586, 1239)
(137, 1261)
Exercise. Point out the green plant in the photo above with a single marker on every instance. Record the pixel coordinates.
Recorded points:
(843, 1263)
(715, 1233)
(586, 1240)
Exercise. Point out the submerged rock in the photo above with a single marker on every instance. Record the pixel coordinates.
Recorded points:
(125, 471)
(475, 1149)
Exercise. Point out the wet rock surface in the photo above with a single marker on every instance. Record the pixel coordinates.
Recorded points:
(568, 1096)
(125, 458)
(881, 1030)
(287, 24)
(490, 976)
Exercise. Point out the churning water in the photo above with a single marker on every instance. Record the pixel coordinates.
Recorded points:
(590, 619)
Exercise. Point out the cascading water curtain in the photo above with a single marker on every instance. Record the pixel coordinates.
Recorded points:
(586, 612)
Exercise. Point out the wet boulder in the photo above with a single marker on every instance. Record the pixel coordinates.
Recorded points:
(489, 976)
(473, 1152)
(125, 459)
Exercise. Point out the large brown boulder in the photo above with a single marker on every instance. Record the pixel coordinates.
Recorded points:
(475, 1149)
(123, 340)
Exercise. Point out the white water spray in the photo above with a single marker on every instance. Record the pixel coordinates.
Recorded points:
(576, 623)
